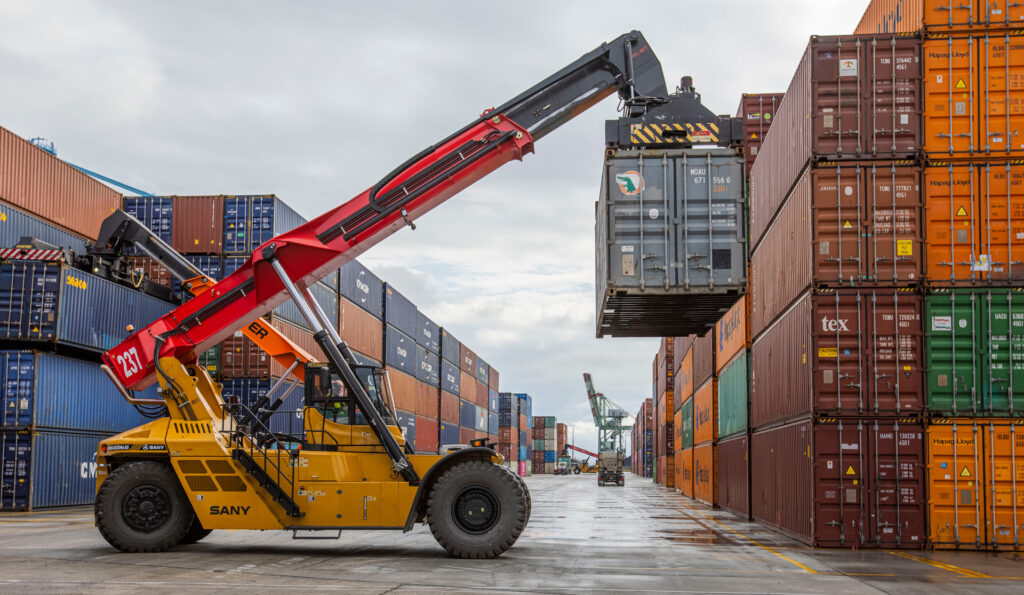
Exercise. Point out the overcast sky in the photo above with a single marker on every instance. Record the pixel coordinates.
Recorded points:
(315, 101)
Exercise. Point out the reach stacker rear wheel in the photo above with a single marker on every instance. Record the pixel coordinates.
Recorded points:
(477, 509)
(142, 508)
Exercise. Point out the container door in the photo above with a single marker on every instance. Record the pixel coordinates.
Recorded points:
(954, 496)
(840, 509)
(950, 95)
(893, 191)
(892, 97)
(1001, 204)
(952, 330)
(1001, 88)
(895, 352)
(837, 80)
(15, 469)
(952, 219)
(897, 484)
(841, 220)
(17, 389)
(1004, 483)
(839, 358)
(640, 230)
(1003, 343)
(709, 216)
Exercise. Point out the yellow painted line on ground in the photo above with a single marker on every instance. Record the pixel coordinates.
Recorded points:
(942, 565)
(757, 543)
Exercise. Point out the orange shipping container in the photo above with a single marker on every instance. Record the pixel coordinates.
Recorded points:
(481, 397)
(908, 16)
(974, 94)
(360, 330)
(975, 222)
(677, 437)
(975, 479)
(403, 389)
(730, 334)
(683, 381)
(670, 471)
(467, 387)
(705, 428)
(427, 400)
(684, 458)
(704, 484)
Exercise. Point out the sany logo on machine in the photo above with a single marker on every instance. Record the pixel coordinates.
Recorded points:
(222, 510)
(834, 324)
(630, 182)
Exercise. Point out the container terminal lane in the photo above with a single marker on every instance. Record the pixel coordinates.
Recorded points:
(581, 538)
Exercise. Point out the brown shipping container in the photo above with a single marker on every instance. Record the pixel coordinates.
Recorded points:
(975, 467)
(43, 185)
(152, 270)
(975, 222)
(403, 389)
(730, 334)
(467, 387)
(492, 378)
(198, 224)
(659, 475)
(685, 458)
(705, 400)
(758, 113)
(467, 360)
(704, 470)
(481, 396)
(670, 471)
(852, 97)
(426, 435)
(449, 408)
(703, 358)
(360, 329)
(840, 352)
(427, 401)
(733, 475)
(680, 346)
(241, 358)
(683, 385)
(845, 483)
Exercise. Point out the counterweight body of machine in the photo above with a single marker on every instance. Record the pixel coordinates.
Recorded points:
(210, 464)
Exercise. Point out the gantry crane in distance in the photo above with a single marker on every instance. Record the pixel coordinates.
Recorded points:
(608, 417)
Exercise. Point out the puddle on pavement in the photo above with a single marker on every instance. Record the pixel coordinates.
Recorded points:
(699, 536)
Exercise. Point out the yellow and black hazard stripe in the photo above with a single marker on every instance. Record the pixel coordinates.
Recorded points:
(648, 133)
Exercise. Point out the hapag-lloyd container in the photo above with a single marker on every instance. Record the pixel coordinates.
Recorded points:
(852, 97)
(682, 382)
(704, 473)
(680, 347)
(908, 16)
(848, 352)
(842, 482)
(684, 460)
(45, 469)
(705, 401)
(46, 390)
(732, 479)
(972, 94)
(974, 211)
(16, 224)
(671, 241)
(46, 301)
(975, 471)
(730, 335)
(758, 112)
(975, 338)
(39, 183)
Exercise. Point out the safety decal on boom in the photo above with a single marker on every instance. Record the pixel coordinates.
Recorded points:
(651, 134)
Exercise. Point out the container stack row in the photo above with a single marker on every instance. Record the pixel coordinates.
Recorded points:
(545, 444)
(55, 320)
(642, 447)
(663, 424)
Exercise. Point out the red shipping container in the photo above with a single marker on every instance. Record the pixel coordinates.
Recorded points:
(680, 347)
(403, 389)
(426, 435)
(467, 361)
(852, 97)
(153, 270)
(492, 378)
(703, 358)
(449, 408)
(733, 475)
(842, 483)
(43, 185)
(198, 226)
(758, 113)
(466, 435)
(360, 330)
(241, 358)
(427, 402)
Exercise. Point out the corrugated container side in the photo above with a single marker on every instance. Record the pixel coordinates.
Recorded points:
(198, 224)
(733, 475)
(403, 388)
(704, 472)
(685, 458)
(407, 422)
(449, 407)
(399, 312)
(16, 224)
(758, 112)
(361, 287)
(451, 349)
(428, 334)
(703, 358)
(427, 366)
(399, 350)
(44, 469)
(898, 16)
(467, 360)
(426, 435)
(732, 397)
(683, 380)
(326, 296)
(40, 183)
(427, 401)
(680, 346)
(705, 399)
(781, 478)
(360, 329)
(686, 428)
(730, 335)
(252, 219)
(450, 377)
(492, 378)
(448, 433)
(483, 371)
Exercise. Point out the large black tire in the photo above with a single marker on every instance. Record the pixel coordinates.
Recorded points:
(477, 510)
(576, 471)
(195, 532)
(142, 508)
(526, 491)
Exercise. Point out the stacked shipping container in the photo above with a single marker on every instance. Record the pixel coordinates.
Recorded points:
(642, 459)
(545, 444)
(663, 389)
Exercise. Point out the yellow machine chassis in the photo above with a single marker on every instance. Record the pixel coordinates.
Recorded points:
(352, 485)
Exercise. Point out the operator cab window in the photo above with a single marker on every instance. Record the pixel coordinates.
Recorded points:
(326, 391)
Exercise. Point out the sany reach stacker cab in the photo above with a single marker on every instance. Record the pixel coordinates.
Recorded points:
(206, 464)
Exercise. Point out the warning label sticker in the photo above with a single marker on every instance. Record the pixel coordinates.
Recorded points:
(828, 352)
(961, 212)
(960, 84)
(847, 225)
(942, 323)
(850, 471)
(848, 67)
(904, 247)
(966, 472)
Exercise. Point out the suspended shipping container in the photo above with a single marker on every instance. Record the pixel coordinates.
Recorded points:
(16, 224)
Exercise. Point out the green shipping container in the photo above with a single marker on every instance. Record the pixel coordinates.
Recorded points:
(550, 421)
(538, 445)
(686, 432)
(974, 351)
(210, 359)
(732, 397)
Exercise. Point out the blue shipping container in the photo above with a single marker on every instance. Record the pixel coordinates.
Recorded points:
(492, 399)
(482, 419)
(467, 414)
(48, 302)
(407, 421)
(52, 391)
(450, 377)
(508, 404)
(549, 456)
(427, 366)
(324, 295)
(210, 265)
(287, 419)
(451, 349)
(16, 224)
(361, 287)
(522, 437)
(44, 469)
(155, 212)
(251, 220)
(399, 350)
(428, 334)
(492, 423)
(448, 433)
(399, 312)
(524, 454)
(483, 371)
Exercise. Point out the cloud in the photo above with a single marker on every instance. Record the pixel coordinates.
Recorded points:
(316, 101)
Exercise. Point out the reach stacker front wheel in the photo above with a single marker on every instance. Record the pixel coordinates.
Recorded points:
(142, 508)
(477, 510)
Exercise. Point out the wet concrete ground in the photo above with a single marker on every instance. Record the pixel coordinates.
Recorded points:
(640, 538)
